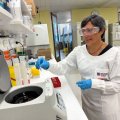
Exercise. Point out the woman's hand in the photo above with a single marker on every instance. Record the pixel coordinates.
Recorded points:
(84, 84)
(42, 63)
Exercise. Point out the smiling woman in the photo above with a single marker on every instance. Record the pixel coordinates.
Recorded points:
(99, 67)
(93, 28)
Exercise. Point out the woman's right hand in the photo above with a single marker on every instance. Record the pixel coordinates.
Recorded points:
(42, 63)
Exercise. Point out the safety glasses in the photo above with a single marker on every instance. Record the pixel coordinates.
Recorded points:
(89, 31)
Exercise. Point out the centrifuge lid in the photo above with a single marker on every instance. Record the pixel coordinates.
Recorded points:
(5, 83)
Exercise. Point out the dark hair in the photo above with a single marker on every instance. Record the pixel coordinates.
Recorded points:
(97, 21)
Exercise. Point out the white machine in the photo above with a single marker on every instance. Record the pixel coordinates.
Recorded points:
(39, 37)
(31, 102)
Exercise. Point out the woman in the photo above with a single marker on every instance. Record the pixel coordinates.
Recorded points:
(99, 66)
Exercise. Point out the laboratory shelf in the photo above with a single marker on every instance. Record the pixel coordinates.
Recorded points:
(8, 24)
(20, 27)
(25, 9)
(17, 27)
(5, 16)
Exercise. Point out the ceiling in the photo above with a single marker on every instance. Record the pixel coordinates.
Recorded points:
(63, 6)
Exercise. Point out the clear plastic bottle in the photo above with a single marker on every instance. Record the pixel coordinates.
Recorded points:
(17, 71)
(24, 72)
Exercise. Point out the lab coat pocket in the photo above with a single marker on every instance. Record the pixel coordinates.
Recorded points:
(101, 74)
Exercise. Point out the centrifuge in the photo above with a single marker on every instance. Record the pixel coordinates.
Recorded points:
(29, 102)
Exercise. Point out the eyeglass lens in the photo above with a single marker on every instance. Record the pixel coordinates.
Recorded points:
(89, 31)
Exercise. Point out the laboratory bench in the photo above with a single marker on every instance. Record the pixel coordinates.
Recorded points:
(73, 108)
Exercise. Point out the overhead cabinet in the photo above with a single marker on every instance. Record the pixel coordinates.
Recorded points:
(40, 36)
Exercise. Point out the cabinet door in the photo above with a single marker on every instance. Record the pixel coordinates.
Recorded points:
(40, 36)
(55, 36)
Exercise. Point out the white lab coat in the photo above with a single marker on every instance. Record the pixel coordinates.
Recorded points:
(102, 102)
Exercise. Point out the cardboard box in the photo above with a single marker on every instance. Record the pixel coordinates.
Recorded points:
(44, 52)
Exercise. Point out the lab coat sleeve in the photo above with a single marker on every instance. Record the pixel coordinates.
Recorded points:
(111, 86)
(64, 66)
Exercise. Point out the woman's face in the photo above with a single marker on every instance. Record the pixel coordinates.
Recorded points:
(91, 34)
